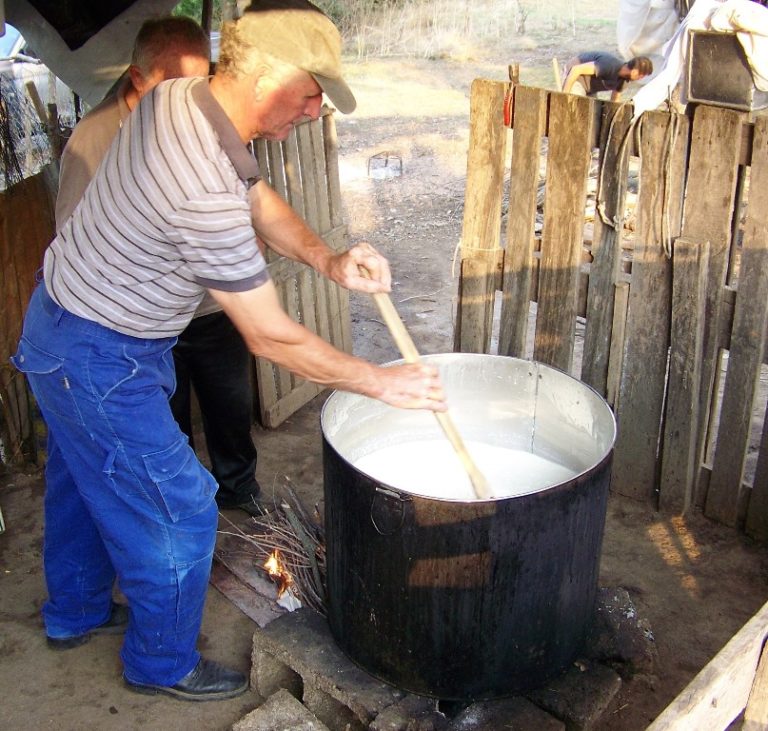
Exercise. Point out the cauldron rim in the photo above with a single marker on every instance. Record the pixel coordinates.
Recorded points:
(437, 357)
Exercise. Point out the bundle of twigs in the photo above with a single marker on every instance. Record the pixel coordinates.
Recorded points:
(298, 537)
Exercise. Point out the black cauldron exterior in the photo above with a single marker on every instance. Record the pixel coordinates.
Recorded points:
(468, 600)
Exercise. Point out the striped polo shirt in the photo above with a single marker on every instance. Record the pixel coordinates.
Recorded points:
(166, 216)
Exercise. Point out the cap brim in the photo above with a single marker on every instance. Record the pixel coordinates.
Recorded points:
(338, 92)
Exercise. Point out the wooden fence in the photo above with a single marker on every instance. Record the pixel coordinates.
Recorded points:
(303, 169)
(668, 320)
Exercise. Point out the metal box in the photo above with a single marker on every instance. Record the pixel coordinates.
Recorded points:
(718, 72)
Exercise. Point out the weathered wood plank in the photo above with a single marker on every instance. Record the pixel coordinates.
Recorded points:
(747, 344)
(481, 228)
(308, 178)
(530, 120)
(293, 173)
(707, 214)
(317, 161)
(570, 146)
(757, 510)
(476, 289)
(662, 151)
(679, 454)
(330, 140)
(606, 244)
(756, 712)
(616, 354)
(719, 693)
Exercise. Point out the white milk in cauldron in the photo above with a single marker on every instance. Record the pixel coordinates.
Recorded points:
(431, 467)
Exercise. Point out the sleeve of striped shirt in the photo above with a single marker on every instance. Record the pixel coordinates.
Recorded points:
(217, 240)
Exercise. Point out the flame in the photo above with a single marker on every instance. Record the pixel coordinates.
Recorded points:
(280, 575)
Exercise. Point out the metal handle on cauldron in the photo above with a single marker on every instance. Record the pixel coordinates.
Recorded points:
(411, 355)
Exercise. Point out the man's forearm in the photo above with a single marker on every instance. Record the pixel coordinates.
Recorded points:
(284, 231)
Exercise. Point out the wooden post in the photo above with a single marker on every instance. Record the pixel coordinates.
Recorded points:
(571, 122)
(635, 466)
(606, 244)
(679, 465)
(530, 118)
(616, 355)
(747, 344)
(481, 230)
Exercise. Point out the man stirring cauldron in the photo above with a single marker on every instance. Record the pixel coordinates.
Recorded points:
(173, 212)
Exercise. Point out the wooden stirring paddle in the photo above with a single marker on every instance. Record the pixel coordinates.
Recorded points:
(411, 355)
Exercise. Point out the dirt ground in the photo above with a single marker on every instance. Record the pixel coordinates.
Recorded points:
(695, 582)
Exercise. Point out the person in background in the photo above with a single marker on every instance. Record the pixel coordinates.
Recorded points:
(174, 210)
(210, 354)
(591, 72)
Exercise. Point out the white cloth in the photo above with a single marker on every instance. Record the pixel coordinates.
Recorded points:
(644, 26)
(701, 17)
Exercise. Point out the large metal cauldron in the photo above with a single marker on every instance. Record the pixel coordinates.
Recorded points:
(468, 599)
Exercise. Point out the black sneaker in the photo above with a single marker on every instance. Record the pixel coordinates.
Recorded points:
(115, 625)
(208, 681)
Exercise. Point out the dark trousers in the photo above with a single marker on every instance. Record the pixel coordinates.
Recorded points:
(211, 357)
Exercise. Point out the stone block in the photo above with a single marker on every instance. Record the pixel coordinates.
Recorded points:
(268, 675)
(413, 713)
(302, 641)
(510, 714)
(580, 696)
(619, 637)
(280, 712)
(334, 714)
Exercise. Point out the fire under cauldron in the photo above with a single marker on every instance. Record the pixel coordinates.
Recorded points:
(445, 595)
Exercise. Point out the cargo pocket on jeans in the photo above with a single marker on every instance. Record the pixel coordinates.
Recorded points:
(184, 487)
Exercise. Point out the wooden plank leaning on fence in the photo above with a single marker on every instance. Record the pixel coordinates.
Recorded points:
(707, 216)
(690, 268)
(606, 244)
(529, 121)
(481, 229)
(747, 347)
(663, 146)
(571, 131)
(721, 691)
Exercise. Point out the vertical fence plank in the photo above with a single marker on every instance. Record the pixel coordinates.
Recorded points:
(606, 246)
(679, 464)
(747, 344)
(571, 123)
(481, 228)
(663, 146)
(757, 510)
(707, 216)
(616, 355)
(530, 119)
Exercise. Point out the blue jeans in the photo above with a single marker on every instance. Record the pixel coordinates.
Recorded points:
(125, 494)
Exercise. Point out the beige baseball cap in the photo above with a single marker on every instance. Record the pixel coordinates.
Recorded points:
(300, 34)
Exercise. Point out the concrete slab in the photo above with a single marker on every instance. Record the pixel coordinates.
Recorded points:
(580, 696)
(510, 714)
(280, 712)
(302, 641)
(413, 713)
